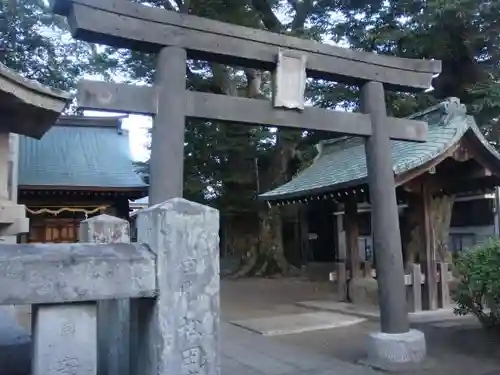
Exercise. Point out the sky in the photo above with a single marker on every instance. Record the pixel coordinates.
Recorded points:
(137, 126)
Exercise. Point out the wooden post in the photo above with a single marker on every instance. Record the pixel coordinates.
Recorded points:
(429, 254)
(385, 219)
(368, 268)
(305, 249)
(341, 281)
(113, 316)
(444, 286)
(415, 289)
(352, 236)
(167, 138)
(178, 331)
(496, 219)
(341, 259)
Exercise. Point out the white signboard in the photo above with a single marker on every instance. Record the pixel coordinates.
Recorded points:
(290, 80)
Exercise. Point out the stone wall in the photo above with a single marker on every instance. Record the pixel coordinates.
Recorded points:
(95, 303)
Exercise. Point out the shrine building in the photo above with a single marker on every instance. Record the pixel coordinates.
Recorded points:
(80, 168)
(455, 166)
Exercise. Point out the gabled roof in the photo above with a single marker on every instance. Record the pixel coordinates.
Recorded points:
(27, 107)
(79, 152)
(341, 162)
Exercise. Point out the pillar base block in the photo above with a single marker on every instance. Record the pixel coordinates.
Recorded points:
(396, 352)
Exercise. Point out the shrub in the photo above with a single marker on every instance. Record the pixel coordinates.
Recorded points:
(478, 289)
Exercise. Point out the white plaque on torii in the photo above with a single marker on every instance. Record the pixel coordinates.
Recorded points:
(290, 80)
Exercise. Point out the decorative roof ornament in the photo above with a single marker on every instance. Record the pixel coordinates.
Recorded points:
(453, 105)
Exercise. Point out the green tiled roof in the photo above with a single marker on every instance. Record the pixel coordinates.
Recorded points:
(79, 152)
(341, 162)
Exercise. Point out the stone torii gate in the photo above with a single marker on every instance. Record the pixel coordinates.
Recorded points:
(176, 37)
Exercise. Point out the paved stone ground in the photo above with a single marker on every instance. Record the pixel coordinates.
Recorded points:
(457, 347)
(259, 298)
(247, 353)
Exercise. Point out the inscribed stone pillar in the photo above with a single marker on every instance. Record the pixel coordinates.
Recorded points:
(113, 316)
(179, 331)
(64, 339)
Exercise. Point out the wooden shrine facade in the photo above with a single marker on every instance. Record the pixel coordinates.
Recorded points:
(81, 168)
(309, 238)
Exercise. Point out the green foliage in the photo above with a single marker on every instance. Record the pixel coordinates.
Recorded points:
(227, 165)
(463, 34)
(34, 43)
(478, 290)
(236, 161)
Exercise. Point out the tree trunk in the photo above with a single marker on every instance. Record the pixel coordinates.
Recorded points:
(441, 210)
(413, 233)
(271, 252)
(279, 172)
(268, 257)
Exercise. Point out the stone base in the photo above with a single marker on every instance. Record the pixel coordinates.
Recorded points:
(15, 344)
(396, 352)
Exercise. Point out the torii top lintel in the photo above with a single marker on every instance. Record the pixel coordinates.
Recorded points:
(125, 24)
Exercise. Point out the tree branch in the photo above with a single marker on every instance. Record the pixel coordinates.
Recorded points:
(269, 19)
(294, 4)
(302, 10)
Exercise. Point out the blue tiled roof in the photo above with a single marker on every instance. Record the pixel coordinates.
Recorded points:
(79, 152)
(342, 162)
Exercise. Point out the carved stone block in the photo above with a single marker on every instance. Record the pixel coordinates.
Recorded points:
(64, 339)
(179, 332)
(113, 316)
(104, 229)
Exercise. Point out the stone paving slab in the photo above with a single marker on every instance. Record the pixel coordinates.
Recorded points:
(246, 353)
(373, 313)
(297, 323)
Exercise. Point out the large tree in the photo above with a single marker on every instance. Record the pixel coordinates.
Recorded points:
(237, 161)
(463, 34)
(227, 165)
(33, 42)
